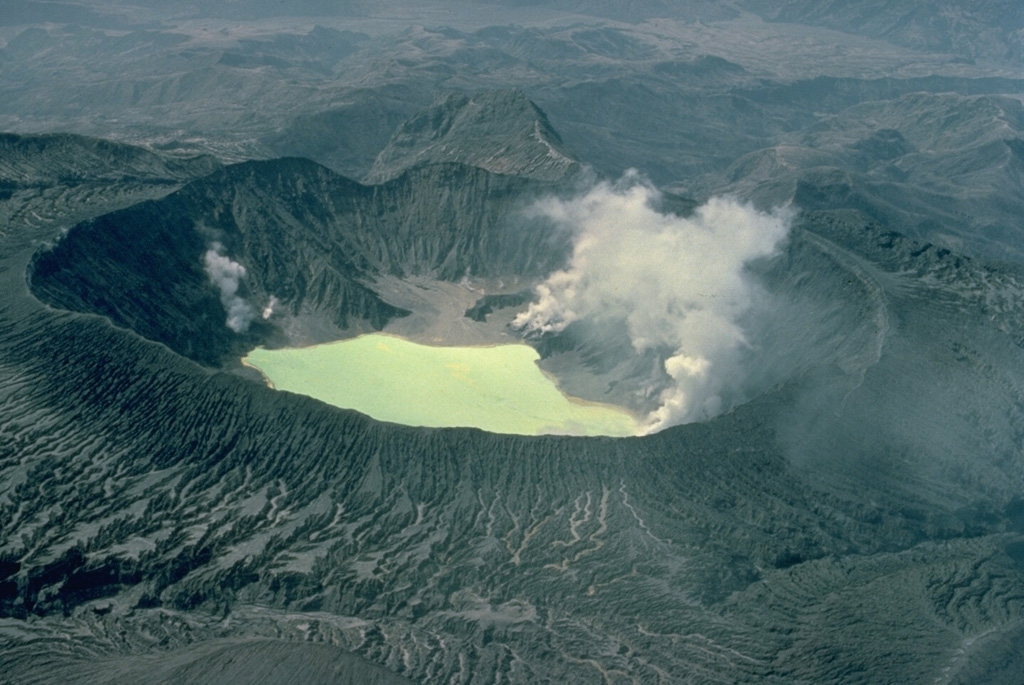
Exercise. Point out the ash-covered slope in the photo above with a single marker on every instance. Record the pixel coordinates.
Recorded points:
(500, 131)
(309, 244)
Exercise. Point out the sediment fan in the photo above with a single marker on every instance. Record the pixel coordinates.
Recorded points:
(170, 515)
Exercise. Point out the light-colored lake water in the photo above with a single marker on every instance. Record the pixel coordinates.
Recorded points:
(499, 389)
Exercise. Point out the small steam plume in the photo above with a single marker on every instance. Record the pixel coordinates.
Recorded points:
(270, 307)
(226, 274)
(679, 285)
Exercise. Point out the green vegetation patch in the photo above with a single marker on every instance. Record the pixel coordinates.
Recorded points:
(499, 389)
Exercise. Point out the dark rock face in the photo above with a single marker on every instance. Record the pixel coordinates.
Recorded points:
(306, 237)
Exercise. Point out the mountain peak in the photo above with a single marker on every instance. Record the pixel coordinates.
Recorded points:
(501, 131)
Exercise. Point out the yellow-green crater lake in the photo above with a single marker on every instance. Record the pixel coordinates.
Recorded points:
(499, 389)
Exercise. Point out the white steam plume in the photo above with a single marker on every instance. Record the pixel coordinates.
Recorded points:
(679, 284)
(225, 273)
(268, 310)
